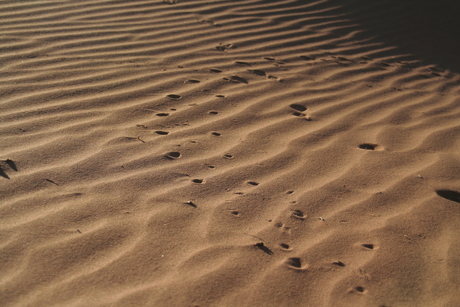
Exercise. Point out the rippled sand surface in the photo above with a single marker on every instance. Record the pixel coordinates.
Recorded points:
(229, 153)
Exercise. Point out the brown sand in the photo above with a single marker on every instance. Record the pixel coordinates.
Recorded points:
(229, 153)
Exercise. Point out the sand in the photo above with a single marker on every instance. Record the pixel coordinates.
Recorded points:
(229, 153)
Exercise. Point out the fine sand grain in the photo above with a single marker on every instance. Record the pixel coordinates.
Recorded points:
(229, 153)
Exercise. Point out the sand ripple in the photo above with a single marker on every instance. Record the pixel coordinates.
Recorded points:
(222, 153)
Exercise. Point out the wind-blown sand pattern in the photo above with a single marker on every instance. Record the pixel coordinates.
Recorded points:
(229, 153)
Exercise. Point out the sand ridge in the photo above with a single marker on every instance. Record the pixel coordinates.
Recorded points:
(224, 153)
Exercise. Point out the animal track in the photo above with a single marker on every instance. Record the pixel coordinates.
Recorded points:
(284, 246)
(299, 214)
(228, 156)
(222, 47)
(368, 146)
(253, 183)
(162, 114)
(215, 70)
(197, 180)
(216, 133)
(258, 72)
(162, 132)
(236, 79)
(7, 162)
(359, 289)
(262, 246)
(368, 246)
(295, 263)
(173, 96)
(339, 263)
(193, 81)
(190, 203)
(297, 107)
(213, 112)
(173, 155)
(274, 78)
(11, 164)
(450, 195)
(242, 63)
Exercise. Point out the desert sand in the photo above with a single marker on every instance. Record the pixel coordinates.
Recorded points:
(229, 153)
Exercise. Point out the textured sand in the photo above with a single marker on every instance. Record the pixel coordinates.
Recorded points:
(229, 153)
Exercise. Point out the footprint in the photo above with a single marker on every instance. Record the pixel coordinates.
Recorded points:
(190, 203)
(213, 112)
(283, 228)
(368, 146)
(299, 214)
(220, 96)
(173, 96)
(262, 246)
(197, 180)
(215, 70)
(306, 58)
(234, 212)
(162, 132)
(297, 107)
(358, 289)
(173, 155)
(450, 195)
(162, 114)
(339, 263)
(10, 163)
(193, 81)
(242, 63)
(236, 79)
(298, 114)
(3, 174)
(253, 183)
(222, 47)
(285, 246)
(258, 72)
(274, 78)
(216, 134)
(289, 192)
(228, 156)
(294, 263)
(269, 58)
(368, 246)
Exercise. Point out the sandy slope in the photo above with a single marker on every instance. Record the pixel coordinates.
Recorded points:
(228, 153)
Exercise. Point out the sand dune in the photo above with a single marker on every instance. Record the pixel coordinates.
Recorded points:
(229, 153)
